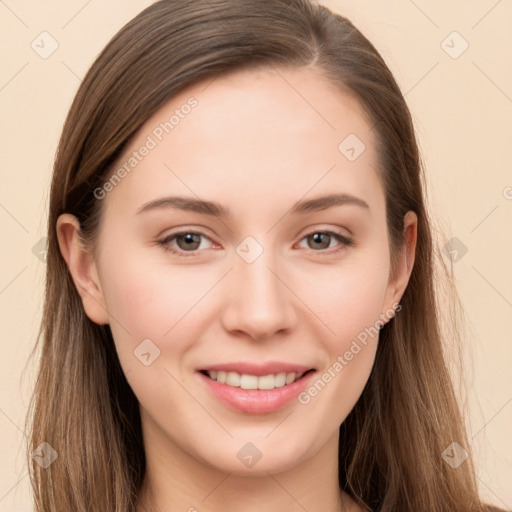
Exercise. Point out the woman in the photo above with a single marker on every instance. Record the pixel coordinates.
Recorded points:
(200, 351)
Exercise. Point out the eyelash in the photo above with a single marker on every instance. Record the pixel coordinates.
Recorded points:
(164, 242)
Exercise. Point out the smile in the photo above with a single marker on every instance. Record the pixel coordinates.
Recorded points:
(247, 381)
(261, 394)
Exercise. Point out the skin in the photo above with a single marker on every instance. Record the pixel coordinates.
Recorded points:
(257, 142)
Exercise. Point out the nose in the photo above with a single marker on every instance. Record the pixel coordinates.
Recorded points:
(260, 304)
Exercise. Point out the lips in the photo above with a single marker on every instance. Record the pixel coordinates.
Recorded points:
(255, 401)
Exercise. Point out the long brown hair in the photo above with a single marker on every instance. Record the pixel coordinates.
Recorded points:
(392, 442)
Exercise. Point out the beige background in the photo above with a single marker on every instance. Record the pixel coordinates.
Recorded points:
(462, 109)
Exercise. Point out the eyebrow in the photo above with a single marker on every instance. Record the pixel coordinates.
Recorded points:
(217, 210)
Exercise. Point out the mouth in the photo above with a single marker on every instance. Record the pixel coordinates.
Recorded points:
(256, 394)
(258, 382)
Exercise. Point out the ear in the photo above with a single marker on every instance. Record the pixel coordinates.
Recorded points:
(396, 286)
(82, 268)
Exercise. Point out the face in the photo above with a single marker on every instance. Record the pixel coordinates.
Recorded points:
(270, 273)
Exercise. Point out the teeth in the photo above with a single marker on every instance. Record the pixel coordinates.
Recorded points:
(246, 381)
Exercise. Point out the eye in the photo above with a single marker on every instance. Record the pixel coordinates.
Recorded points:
(190, 242)
(322, 240)
(187, 242)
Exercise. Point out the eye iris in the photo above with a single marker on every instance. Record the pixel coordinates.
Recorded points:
(316, 237)
(189, 237)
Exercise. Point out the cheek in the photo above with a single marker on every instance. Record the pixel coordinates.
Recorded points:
(151, 301)
(152, 311)
(348, 298)
(351, 309)
(149, 297)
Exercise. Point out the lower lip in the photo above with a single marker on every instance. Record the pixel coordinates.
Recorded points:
(256, 401)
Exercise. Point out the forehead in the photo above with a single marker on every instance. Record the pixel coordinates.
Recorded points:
(273, 133)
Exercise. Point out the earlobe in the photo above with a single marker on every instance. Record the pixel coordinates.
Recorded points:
(82, 268)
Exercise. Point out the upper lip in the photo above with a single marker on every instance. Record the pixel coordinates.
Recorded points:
(259, 370)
